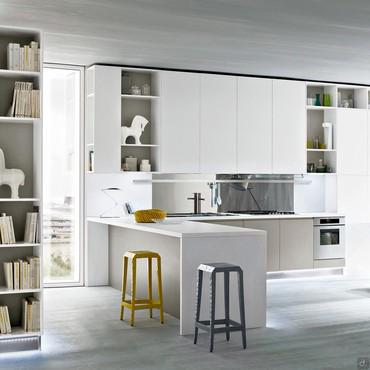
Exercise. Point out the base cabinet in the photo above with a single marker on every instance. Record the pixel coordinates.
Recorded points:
(272, 229)
(296, 244)
(289, 243)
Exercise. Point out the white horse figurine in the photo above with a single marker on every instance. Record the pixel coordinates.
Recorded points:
(11, 177)
(137, 127)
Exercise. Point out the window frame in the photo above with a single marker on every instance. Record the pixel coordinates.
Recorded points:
(81, 222)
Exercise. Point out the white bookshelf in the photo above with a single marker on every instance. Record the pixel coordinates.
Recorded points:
(21, 141)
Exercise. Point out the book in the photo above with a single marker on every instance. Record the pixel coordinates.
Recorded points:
(23, 58)
(24, 314)
(7, 234)
(8, 272)
(30, 314)
(26, 101)
(30, 231)
(34, 324)
(22, 273)
(10, 56)
(7, 320)
(2, 321)
(16, 274)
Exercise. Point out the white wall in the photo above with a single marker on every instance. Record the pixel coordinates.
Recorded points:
(173, 197)
(138, 195)
(315, 194)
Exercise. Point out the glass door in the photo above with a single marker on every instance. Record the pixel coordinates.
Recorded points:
(63, 128)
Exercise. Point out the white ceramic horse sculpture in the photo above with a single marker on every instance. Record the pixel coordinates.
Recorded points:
(137, 127)
(11, 177)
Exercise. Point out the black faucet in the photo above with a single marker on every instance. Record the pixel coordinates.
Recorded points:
(197, 198)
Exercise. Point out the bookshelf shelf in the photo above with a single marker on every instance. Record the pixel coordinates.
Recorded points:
(18, 332)
(19, 120)
(4, 290)
(19, 200)
(9, 73)
(19, 245)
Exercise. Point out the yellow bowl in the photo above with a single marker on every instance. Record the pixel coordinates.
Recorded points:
(149, 215)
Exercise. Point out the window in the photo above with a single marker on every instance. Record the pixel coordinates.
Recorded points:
(63, 127)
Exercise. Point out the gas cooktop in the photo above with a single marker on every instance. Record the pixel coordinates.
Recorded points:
(263, 212)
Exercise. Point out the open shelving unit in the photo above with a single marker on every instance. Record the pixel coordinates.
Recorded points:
(21, 141)
(342, 98)
(316, 115)
(144, 105)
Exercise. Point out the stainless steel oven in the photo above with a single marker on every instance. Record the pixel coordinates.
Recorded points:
(329, 238)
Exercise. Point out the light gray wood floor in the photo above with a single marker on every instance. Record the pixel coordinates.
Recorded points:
(317, 323)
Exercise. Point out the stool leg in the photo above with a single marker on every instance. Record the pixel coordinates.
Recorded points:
(124, 284)
(150, 292)
(241, 306)
(227, 303)
(160, 295)
(133, 291)
(198, 302)
(212, 308)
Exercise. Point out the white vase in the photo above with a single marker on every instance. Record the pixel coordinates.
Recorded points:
(328, 134)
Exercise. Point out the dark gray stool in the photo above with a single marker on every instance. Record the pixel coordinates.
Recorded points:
(229, 325)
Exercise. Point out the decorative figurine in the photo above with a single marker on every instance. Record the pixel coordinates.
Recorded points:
(11, 177)
(137, 127)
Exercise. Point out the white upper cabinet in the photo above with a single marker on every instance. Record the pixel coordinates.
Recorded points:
(254, 125)
(103, 117)
(180, 114)
(289, 127)
(352, 141)
(218, 124)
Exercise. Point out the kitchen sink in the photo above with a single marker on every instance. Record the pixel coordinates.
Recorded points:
(203, 214)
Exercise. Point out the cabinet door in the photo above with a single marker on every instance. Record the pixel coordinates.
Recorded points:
(289, 127)
(254, 126)
(218, 124)
(105, 112)
(353, 198)
(272, 229)
(352, 141)
(180, 104)
(296, 244)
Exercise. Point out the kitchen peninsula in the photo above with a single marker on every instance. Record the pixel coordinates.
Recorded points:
(183, 245)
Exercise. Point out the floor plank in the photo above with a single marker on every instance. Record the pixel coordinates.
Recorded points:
(313, 323)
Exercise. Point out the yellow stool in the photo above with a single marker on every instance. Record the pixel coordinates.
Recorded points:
(141, 304)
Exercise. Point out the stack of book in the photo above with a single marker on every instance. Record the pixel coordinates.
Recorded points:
(7, 235)
(26, 101)
(22, 273)
(31, 229)
(5, 327)
(31, 314)
(24, 58)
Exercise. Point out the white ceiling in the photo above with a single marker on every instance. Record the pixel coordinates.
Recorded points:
(310, 39)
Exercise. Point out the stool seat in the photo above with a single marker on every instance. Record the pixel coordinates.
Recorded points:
(228, 325)
(141, 254)
(218, 267)
(134, 304)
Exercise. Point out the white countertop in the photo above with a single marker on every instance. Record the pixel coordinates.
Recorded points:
(186, 227)
(178, 228)
(259, 217)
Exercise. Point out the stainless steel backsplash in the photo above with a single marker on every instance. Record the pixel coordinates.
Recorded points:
(271, 192)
